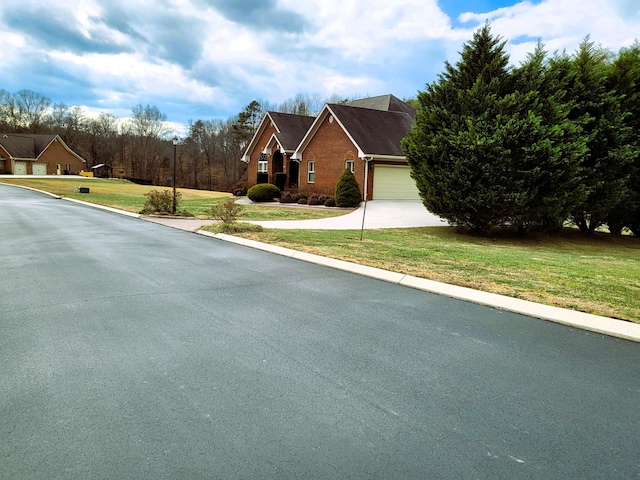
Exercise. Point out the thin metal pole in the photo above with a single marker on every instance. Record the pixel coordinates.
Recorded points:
(174, 178)
(366, 193)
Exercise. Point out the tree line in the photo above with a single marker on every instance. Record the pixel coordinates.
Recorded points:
(531, 147)
(140, 148)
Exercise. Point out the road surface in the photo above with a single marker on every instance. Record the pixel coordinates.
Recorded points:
(132, 350)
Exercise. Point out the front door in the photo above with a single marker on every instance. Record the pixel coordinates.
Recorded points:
(294, 172)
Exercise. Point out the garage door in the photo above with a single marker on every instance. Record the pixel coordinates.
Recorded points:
(392, 182)
(39, 168)
(19, 168)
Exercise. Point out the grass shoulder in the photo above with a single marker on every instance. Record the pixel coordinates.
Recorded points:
(599, 274)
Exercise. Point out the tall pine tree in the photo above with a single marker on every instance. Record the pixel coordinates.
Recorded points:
(491, 147)
(597, 109)
(624, 79)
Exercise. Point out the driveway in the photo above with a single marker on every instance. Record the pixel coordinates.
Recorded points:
(128, 350)
(376, 214)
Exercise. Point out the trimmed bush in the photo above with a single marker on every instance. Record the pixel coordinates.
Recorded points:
(316, 199)
(286, 197)
(347, 190)
(330, 202)
(263, 192)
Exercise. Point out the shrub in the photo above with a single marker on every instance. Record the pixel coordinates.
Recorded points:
(330, 202)
(160, 202)
(302, 201)
(263, 192)
(286, 197)
(234, 227)
(239, 189)
(316, 199)
(347, 190)
(227, 212)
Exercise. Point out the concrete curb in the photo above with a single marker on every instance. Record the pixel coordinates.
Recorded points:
(102, 207)
(584, 321)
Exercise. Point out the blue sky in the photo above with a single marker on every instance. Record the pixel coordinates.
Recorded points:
(204, 59)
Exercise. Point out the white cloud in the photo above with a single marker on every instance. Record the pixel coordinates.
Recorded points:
(561, 24)
(194, 60)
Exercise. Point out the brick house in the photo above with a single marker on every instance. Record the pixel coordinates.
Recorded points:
(364, 136)
(270, 150)
(23, 154)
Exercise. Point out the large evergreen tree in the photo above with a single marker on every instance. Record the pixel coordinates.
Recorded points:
(550, 148)
(597, 109)
(624, 79)
(491, 147)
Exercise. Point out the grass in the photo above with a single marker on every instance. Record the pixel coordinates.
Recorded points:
(130, 197)
(598, 274)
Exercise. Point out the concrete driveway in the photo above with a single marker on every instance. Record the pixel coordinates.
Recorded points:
(376, 214)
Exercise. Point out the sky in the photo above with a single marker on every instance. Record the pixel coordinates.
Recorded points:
(206, 59)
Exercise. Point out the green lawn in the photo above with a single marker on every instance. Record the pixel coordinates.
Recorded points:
(598, 274)
(130, 197)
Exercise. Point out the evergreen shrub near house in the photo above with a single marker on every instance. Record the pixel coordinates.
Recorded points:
(263, 192)
(347, 190)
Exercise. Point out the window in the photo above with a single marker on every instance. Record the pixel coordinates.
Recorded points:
(263, 165)
(311, 172)
(349, 165)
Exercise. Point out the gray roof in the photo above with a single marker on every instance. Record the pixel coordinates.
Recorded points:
(376, 132)
(386, 103)
(292, 128)
(24, 145)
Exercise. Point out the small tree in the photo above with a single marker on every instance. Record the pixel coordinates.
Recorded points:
(160, 202)
(227, 212)
(347, 190)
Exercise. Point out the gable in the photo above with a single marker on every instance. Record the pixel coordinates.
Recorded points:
(375, 132)
(288, 129)
(25, 146)
(386, 103)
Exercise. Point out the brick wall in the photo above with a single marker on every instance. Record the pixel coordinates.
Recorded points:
(329, 148)
(57, 154)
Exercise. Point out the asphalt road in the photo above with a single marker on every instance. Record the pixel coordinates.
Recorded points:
(132, 350)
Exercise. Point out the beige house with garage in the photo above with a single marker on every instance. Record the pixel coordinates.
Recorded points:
(24, 154)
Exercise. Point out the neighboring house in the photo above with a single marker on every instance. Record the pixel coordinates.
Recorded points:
(269, 152)
(364, 136)
(23, 154)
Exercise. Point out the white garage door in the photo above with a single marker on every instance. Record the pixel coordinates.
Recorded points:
(19, 168)
(392, 182)
(39, 168)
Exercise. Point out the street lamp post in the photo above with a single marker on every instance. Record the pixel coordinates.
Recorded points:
(175, 145)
